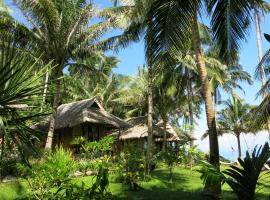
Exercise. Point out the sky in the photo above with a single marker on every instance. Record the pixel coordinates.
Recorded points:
(133, 56)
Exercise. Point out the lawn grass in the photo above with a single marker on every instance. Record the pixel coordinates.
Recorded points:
(186, 185)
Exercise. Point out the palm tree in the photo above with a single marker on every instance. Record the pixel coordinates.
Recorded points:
(188, 88)
(260, 7)
(134, 96)
(234, 119)
(62, 30)
(97, 64)
(220, 75)
(262, 111)
(165, 97)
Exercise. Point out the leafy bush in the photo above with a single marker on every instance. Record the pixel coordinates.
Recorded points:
(242, 179)
(170, 156)
(187, 153)
(130, 165)
(52, 179)
(45, 179)
(8, 166)
(93, 154)
(93, 149)
(97, 191)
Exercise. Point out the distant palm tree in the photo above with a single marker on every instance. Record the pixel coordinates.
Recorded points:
(97, 65)
(260, 8)
(234, 119)
(108, 91)
(262, 112)
(220, 75)
(134, 95)
(166, 97)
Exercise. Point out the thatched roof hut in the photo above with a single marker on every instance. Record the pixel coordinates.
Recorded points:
(139, 130)
(88, 110)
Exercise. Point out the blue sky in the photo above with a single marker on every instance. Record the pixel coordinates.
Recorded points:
(133, 56)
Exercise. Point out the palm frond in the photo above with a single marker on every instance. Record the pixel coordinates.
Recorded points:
(230, 21)
(169, 26)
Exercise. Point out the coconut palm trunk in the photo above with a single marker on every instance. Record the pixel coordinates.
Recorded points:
(259, 45)
(191, 117)
(46, 81)
(52, 125)
(215, 190)
(260, 55)
(238, 144)
(150, 118)
(190, 108)
(165, 134)
(2, 154)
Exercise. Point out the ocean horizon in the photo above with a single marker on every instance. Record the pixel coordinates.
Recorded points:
(228, 144)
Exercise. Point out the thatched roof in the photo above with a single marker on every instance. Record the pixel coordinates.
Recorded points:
(88, 110)
(139, 129)
(172, 136)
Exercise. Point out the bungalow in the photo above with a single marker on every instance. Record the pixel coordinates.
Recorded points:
(86, 118)
(138, 132)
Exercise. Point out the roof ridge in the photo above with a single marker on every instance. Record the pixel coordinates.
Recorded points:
(138, 117)
(80, 101)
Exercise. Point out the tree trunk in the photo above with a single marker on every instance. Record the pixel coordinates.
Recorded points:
(45, 90)
(150, 118)
(259, 45)
(165, 134)
(260, 55)
(45, 87)
(2, 154)
(56, 100)
(215, 103)
(214, 190)
(118, 141)
(238, 144)
(191, 117)
(190, 108)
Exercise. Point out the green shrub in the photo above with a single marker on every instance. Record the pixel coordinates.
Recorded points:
(93, 154)
(51, 179)
(8, 166)
(46, 178)
(131, 165)
(170, 156)
(94, 149)
(187, 153)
